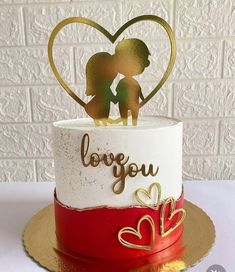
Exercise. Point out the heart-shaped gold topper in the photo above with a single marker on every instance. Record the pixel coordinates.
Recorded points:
(137, 233)
(172, 213)
(148, 193)
(130, 59)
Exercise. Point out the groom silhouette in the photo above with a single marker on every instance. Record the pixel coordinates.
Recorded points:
(131, 58)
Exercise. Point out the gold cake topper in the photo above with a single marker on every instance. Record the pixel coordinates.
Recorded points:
(130, 59)
(173, 212)
(141, 191)
(137, 233)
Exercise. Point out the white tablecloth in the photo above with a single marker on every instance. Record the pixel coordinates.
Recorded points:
(20, 201)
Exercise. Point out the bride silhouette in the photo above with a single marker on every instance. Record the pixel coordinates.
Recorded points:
(100, 73)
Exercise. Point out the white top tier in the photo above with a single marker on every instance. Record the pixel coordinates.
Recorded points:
(156, 141)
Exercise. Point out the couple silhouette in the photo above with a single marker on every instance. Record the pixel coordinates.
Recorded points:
(130, 59)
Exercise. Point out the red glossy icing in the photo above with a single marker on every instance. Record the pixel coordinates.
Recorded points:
(94, 232)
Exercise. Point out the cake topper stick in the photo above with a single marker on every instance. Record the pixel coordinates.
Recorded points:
(130, 59)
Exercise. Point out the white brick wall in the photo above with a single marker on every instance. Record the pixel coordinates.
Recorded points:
(201, 89)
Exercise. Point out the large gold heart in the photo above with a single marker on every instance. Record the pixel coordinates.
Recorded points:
(173, 212)
(137, 233)
(112, 39)
(148, 193)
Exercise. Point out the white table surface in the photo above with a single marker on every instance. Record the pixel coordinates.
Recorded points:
(20, 201)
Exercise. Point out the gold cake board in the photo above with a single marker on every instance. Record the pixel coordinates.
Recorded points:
(40, 242)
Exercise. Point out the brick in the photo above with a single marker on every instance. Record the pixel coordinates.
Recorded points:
(204, 99)
(11, 32)
(25, 140)
(200, 137)
(208, 168)
(40, 21)
(31, 66)
(229, 59)
(159, 104)
(14, 105)
(228, 137)
(53, 104)
(195, 60)
(45, 170)
(206, 18)
(17, 170)
(198, 60)
(146, 30)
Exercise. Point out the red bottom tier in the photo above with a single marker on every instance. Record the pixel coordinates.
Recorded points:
(96, 232)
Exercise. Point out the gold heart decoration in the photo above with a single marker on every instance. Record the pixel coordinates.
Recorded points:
(148, 193)
(173, 212)
(137, 233)
(112, 39)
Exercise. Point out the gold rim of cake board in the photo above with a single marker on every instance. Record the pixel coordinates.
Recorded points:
(40, 240)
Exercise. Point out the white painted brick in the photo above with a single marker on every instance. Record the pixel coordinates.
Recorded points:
(17, 170)
(200, 137)
(14, 104)
(159, 104)
(45, 170)
(204, 99)
(26, 140)
(195, 60)
(228, 137)
(206, 18)
(31, 66)
(42, 20)
(229, 59)
(208, 168)
(53, 104)
(10, 26)
(146, 30)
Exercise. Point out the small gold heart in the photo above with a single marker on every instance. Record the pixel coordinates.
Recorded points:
(112, 39)
(137, 233)
(173, 212)
(148, 193)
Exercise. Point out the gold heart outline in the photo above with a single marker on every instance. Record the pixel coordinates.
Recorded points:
(173, 212)
(148, 193)
(137, 233)
(112, 39)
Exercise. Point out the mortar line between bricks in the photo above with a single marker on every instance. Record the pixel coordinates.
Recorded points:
(55, 4)
(229, 156)
(26, 158)
(23, 26)
(205, 118)
(74, 66)
(219, 137)
(30, 104)
(222, 59)
(35, 170)
(171, 102)
(174, 17)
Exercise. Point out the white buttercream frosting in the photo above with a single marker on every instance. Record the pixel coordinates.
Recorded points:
(156, 140)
